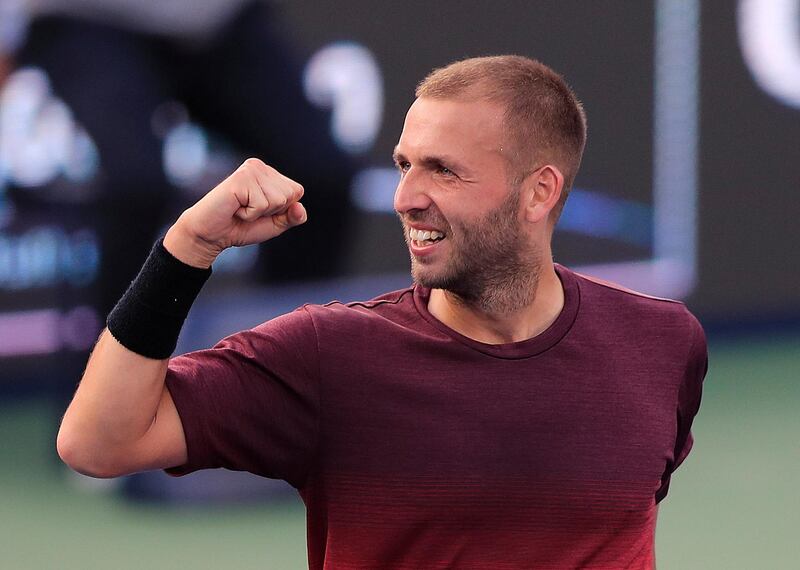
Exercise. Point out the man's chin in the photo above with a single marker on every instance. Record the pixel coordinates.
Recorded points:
(425, 276)
(430, 277)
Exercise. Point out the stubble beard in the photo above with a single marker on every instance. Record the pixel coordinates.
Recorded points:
(492, 268)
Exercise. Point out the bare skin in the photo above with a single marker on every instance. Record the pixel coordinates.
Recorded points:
(122, 418)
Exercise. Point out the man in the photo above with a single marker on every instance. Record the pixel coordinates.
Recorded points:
(504, 412)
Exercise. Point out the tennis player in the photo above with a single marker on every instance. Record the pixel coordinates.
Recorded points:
(502, 412)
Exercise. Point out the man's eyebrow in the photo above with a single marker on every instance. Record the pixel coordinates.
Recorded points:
(430, 160)
(435, 161)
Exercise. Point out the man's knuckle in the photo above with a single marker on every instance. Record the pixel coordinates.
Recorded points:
(253, 162)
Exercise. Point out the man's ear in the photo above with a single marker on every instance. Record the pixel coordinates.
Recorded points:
(543, 189)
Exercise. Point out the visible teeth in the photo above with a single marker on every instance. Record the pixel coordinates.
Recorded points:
(424, 235)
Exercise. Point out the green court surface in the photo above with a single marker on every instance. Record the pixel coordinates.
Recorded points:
(733, 504)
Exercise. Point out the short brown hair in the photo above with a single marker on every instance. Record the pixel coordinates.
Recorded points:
(543, 116)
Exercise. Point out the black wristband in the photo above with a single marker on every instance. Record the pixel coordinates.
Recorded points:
(149, 316)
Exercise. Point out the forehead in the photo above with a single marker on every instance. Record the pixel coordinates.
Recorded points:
(453, 126)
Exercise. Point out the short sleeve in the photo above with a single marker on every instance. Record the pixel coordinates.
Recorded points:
(689, 397)
(251, 403)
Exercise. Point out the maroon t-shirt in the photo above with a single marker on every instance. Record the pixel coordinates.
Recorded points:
(416, 447)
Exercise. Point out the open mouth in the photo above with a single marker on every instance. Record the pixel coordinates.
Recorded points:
(422, 238)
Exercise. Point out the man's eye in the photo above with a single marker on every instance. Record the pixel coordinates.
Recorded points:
(446, 171)
(403, 166)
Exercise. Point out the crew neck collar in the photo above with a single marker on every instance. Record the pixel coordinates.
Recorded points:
(514, 350)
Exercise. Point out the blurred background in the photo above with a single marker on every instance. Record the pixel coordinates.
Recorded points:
(115, 115)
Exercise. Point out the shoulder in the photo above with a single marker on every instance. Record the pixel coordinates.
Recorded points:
(659, 331)
(611, 306)
(303, 326)
(382, 319)
(607, 295)
(389, 305)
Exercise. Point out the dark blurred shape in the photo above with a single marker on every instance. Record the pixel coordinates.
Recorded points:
(241, 82)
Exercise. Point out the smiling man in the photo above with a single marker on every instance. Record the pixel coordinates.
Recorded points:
(486, 209)
(502, 412)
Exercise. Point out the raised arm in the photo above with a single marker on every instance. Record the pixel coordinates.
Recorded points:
(122, 418)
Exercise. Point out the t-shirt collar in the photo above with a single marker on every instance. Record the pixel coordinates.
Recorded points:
(514, 350)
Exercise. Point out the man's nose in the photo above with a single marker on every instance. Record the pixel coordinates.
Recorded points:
(411, 193)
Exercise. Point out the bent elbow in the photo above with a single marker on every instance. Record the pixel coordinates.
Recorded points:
(84, 458)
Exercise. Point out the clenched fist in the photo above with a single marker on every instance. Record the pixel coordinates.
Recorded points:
(254, 204)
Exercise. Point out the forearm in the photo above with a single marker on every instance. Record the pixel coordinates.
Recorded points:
(122, 418)
(114, 407)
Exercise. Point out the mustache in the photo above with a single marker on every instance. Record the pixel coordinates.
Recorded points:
(428, 216)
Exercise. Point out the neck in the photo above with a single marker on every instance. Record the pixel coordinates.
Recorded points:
(509, 321)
